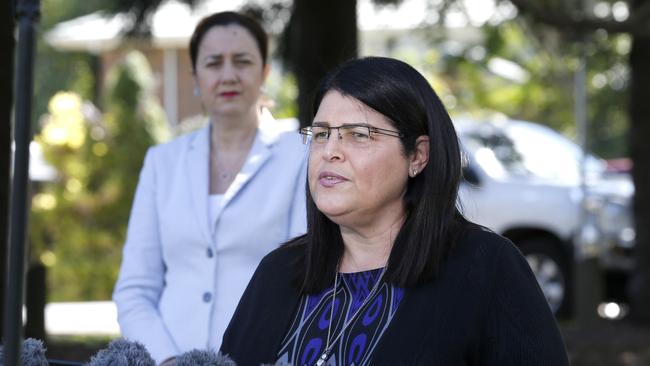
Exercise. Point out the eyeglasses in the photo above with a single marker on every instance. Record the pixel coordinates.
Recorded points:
(356, 135)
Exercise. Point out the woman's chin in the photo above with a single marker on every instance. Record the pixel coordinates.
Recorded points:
(334, 211)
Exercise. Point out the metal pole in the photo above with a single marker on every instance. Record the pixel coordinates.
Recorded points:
(587, 274)
(580, 113)
(28, 12)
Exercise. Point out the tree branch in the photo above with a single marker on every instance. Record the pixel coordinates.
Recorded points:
(637, 24)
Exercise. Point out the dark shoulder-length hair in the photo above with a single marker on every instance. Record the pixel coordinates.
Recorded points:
(433, 222)
(223, 19)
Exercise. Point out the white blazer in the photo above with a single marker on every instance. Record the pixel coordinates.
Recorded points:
(182, 276)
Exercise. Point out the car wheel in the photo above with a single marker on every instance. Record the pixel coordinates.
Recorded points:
(551, 271)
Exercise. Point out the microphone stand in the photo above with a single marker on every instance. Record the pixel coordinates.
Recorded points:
(28, 13)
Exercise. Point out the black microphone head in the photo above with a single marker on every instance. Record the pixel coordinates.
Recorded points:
(203, 358)
(122, 352)
(32, 353)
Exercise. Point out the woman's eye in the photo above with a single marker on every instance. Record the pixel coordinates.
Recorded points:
(322, 135)
(359, 133)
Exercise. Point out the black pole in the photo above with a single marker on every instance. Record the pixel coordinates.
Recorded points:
(28, 12)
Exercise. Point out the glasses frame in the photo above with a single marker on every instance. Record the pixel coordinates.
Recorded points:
(307, 133)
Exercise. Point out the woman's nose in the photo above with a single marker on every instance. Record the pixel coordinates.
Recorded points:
(333, 147)
(228, 72)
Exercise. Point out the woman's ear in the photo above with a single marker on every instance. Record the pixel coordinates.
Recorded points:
(266, 71)
(420, 156)
(197, 91)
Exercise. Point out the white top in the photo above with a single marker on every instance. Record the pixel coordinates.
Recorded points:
(182, 272)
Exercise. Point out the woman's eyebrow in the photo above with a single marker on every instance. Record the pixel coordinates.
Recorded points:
(241, 54)
(220, 56)
(213, 57)
(325, 123)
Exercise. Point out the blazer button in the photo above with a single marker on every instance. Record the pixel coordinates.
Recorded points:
(210, 253)
(207, 297)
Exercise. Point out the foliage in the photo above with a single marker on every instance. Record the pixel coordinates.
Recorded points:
(539, 93)
(509, 72)
(577, 20)
(56, 70)
(283, 90)
(608, 78)
(78, 222)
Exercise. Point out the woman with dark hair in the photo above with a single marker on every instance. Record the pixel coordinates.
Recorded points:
(210, 204)
(390, 272)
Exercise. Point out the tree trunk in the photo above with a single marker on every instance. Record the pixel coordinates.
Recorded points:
(7, 45)
(639, 288)
(320, 35)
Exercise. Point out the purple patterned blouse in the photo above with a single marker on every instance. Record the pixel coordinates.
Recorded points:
(307, 336)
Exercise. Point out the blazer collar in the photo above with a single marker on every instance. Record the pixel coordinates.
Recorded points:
(197, 168)
(257, 156)
(198, 161)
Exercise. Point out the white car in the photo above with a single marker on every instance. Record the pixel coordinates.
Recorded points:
(523, 180)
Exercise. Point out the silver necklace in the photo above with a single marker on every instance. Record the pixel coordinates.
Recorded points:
(224, 171)
(224, 176)
(328, 347)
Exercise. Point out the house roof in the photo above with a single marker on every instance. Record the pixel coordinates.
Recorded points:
(173, 23)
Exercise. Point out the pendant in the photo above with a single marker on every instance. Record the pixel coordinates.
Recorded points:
(322, 359)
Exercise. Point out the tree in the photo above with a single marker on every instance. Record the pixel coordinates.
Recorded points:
(78, 220)
(310, 52)
(302, 38)
(569, 18)
(312, 45)
(51, 13)
(319, 35)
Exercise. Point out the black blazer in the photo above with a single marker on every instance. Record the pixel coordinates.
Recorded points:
(485, 308)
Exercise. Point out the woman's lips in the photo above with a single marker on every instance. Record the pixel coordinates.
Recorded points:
(229, 94)
(329, 179)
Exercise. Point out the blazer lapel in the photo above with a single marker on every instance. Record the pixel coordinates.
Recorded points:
(197, 173)
(260, 152)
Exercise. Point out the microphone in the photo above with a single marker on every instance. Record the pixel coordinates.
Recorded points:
(32, 353)
(122, 352)
(203, 358)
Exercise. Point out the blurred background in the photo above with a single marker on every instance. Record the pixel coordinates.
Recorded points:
(551, 100)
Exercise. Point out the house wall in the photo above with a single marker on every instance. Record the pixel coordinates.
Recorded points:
(187, 105)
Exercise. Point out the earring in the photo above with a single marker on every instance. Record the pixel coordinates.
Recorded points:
(413, 172)
(197, 92)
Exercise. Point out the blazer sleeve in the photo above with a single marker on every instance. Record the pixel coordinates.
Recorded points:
(521, 328)
(141, 278)
(241, 340)
(265, 310)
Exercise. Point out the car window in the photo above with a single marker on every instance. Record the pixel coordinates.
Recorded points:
(527, 150)
(495, 152)
(550, 155)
